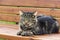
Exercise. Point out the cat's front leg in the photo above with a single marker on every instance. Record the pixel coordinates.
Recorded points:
(19, 33)
(27, 33)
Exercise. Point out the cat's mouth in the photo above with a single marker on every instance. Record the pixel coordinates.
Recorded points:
(29, 25)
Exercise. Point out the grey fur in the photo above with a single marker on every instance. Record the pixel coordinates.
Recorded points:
(36, 25)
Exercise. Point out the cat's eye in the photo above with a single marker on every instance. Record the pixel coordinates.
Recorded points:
(33, 16)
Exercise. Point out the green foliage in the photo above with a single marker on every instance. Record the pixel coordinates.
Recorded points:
(6, 22)
(3, 39)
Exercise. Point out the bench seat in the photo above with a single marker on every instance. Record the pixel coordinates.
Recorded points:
(9, 33)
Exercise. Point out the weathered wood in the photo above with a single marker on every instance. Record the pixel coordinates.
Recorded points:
(6, 17)
(13, 37)
(15, 10)
(11, 26)
(38, 3)
(14, 18)
(9, 33)
(9, 10)
(12, 12)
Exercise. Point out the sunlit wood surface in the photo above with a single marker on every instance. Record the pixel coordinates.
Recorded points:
(9, 32)
(37, 3)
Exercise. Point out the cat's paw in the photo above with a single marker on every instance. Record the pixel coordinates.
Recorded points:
(19, 33)
(26, 33)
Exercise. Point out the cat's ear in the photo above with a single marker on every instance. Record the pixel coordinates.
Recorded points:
(35, 13)
(20, 12)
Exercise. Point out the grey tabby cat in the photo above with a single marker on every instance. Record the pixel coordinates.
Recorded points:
(27, 23)
(31, 24)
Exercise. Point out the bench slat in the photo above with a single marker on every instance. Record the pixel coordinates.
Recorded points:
(7, 17)
(11, 12)
(38, 3)
(14, 18)
(15, 10)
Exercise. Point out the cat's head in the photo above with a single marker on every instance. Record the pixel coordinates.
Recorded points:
(28, 18)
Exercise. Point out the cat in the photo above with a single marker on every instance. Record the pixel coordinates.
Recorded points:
(31, 24)
(27, 23)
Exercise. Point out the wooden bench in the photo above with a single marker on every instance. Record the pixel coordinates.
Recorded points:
(8, 32)
(9, 11)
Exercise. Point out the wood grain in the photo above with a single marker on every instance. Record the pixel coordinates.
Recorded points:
(11, 26)
(7, 17)
(15, 10)
(9, 10)
(38, 3)
(9, 32)
(12, 12)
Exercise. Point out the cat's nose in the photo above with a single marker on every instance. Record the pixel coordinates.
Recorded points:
(26, 23)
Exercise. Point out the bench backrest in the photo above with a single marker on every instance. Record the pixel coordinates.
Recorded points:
(9, 9)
